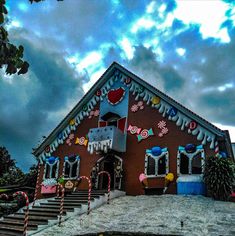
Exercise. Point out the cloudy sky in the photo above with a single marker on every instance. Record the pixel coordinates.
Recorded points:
(185, 48)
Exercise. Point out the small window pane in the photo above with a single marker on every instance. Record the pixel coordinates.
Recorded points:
(54, 169)
(197, 164)
(162, 165)
(74, 170)
(47, 175)
(184, 164)
(151, 166)
(67, 170)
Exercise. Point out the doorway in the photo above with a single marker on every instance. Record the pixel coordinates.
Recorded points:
(111, 164)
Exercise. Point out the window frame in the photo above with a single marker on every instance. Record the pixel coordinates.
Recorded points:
(51, 165)
(156, 159)
(66, 160)
(181, 150)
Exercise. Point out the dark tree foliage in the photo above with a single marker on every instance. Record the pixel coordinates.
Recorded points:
(6, 163)
(219, 177)
(11, 56)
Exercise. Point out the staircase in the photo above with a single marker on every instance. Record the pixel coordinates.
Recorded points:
(46, 211)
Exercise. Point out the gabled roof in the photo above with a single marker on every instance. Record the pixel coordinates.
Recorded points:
(101, 82)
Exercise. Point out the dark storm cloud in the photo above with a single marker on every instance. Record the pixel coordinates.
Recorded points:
(27, 102)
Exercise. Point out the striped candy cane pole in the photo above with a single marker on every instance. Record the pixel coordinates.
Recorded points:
(216, 148)
(37, 184)
(109, 182)
(89, 193)
(3, 195)
(61, 203)
(26, 217)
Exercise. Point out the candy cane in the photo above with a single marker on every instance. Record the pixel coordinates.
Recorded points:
(37, 184)
(26, 216)
(61, 203)
(89, 192)
(4, 195)
(216, 147)
(109, 182)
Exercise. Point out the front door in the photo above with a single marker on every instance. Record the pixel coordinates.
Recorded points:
(110, 164)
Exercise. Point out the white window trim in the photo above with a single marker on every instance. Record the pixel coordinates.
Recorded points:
(156, 159)
(57, 162)
(191, 156)
(66, 160)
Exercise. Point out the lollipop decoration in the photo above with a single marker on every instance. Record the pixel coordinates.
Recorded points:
(134, 129)
(145, 133)
(81, 141)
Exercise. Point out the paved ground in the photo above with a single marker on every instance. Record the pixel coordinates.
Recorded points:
(154, 214)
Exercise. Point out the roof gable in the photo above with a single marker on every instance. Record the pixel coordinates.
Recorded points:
(205, 131)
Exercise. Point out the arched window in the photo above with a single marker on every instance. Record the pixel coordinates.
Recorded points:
(51, 168)
(71, 167)
(156, 164)
(190, 161)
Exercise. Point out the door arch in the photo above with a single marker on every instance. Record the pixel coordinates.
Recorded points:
(112, 164)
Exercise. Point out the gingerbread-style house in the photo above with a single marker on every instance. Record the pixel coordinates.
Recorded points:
(125, 126)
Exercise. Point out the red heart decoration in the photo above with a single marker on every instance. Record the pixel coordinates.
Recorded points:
(116, 95)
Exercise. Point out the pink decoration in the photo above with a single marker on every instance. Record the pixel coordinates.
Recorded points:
(115, 95)
(71, 136)
(164, 130)
(140, 104)
(134, 108)
(96, 113)
(192, 125)
(161, 124)
(142, 107)
(160, 135)
(48, 189)
(134, 129)
(142, 177)
(109, 181)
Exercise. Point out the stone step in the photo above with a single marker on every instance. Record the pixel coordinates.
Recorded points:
(51, 208)
(32, 220)
(78, 197)
(6, 223)
(10, 232)
(44, 210)
(72, 201)
(66, 204)
(40, 216)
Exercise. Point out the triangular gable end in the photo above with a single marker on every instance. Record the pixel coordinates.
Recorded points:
(205, 131)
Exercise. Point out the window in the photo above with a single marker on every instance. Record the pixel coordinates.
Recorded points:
(156, 165)
(71, 167)
(189, 163)
(51, 168)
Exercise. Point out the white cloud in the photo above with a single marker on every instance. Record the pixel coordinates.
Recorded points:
(180, 51)
(127, 47)
(231, 130)
(208, 14)
(142, 23)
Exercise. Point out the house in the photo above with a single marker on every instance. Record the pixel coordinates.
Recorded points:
(125, 126)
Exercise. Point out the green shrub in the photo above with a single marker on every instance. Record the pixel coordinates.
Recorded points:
(219, 177)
